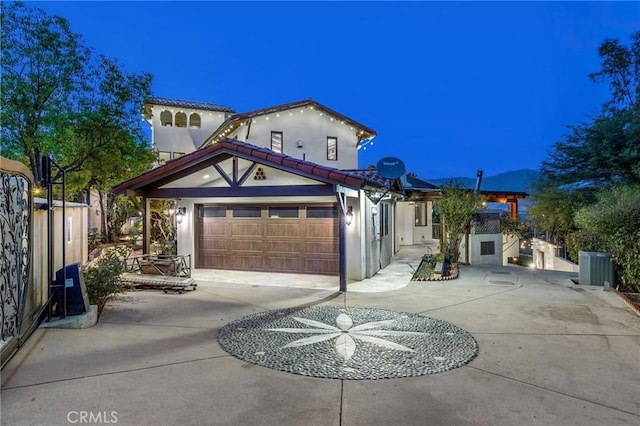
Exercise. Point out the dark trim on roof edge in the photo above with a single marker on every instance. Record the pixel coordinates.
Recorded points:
(253, 153)
(237, 118)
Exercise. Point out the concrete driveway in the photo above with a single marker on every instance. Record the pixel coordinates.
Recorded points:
(549, 353)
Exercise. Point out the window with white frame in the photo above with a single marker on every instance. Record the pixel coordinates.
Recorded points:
(332, 148)
(163, 156)
(276, 141)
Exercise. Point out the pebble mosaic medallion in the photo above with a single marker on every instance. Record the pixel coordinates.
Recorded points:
(348, 343)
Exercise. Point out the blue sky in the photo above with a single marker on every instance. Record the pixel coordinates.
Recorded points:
(450, 87)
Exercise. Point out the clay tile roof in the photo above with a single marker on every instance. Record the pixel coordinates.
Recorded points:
(368, 179)
(188, 104)
(371, 178)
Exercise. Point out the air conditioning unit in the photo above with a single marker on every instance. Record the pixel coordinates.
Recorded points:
(595, 268)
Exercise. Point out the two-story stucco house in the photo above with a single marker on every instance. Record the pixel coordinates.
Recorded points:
(276, 189)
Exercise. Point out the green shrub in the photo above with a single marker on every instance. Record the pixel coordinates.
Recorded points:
(104, 279)
(578, 241)
(615, 218)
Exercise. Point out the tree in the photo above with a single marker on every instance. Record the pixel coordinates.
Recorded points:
(60, 98)
(615, 218)
(602, 152)
(456, 208)
(108, 142)
(554, 208)
(621, 68)
(605, 151)
(43, 65)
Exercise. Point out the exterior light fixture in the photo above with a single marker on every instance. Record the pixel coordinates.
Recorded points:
(374, 210)
(180, 214)
(348, 217)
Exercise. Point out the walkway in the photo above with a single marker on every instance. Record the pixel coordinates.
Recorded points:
(548, 353)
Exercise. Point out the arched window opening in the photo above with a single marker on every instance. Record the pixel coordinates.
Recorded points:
(181, 119)
(194, 120)
(166, 119)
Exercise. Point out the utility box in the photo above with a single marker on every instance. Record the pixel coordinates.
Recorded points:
(75, 288)
(595, 268)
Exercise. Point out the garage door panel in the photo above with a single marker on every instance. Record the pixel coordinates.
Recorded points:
(211, 260)
(324, 229)
(214, 229)
(275, 244)
(283, 264)
(246, 263)
(287, 246)
(318, 265)
(246, 245)
(240, 228)
(213, 244)
(284, 229)
(320, 247)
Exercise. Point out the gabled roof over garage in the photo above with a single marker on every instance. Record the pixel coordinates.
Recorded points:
(209, 156)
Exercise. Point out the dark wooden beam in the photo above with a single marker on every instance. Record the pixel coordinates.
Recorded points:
(250, 191)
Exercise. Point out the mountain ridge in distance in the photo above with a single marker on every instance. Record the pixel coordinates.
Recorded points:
(515, 180)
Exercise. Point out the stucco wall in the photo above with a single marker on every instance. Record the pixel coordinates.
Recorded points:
(404, 224)
(510, 248)
(544, 257)
(75, 241)
(488, 259)
(355, 247)
(183, 139)
(310, 129)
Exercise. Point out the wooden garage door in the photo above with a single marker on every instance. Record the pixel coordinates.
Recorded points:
(274, 238)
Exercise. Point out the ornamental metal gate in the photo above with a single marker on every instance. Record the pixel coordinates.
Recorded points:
(16, 222)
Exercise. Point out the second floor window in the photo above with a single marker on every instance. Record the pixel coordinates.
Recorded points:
(166, 118)
(181, 119)
(332, 148)
(194, 121)
(276, 141)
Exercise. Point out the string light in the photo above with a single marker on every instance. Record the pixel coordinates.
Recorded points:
(359, 132)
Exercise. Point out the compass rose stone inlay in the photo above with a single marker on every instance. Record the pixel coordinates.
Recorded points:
(348, 343)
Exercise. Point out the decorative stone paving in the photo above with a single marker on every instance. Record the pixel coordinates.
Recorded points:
(348, 343)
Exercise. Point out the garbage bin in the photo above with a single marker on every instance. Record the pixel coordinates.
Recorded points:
(75, 288)
(595, 268)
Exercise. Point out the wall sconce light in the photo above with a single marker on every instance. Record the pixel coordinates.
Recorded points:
(374, 210)
(180, 214)
(348, 217)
